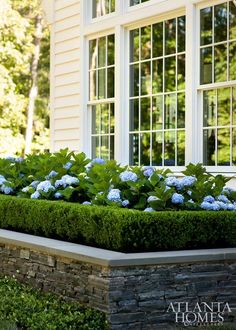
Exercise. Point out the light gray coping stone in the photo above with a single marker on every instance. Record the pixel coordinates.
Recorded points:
(111, 258)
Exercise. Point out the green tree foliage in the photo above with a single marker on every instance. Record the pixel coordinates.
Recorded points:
(17, 30)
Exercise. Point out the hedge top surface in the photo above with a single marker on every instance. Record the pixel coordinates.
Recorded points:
(119, 229)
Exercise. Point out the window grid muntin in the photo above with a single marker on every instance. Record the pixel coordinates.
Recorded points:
(95, 102)
(214, 44)
(136, 2)
(216, 86)
(164, 131)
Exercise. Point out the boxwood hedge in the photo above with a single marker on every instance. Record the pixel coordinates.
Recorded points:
(119, 229)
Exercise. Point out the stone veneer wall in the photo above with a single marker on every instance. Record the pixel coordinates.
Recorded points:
(133, 296)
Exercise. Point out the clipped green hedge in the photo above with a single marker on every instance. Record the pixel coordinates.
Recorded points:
(119, 229)
(22, 307)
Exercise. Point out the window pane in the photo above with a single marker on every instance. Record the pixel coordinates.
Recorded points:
(170, 111)
(111, 49)
(157, 139)
(170, 36)
(157, 32)
(93, 85)
(220, 22)
(134, 115)
(181, 34)
(181, 148)
(134, 45)
(146, 78)
(92, 54)
(206, 65)
(102, 7)
(110, 82)
(105, 147)
(102, 52)
(104, 118)
(112, 147)
(112, 118)
(169, 147)
(234, 147)
(181, 110)
(221, 63)
(209, 108)
(157, 112)
(181, 72)
(145, 149)
(145, 114)
(232, 20)
(206, 26)
(170, 74)
(223, 106)
(223, 149)
(145, 43)
(102, 83)
(96, 120)
(234, 105)
(134, 80)
(232, 60)
(209, 152)
(157, 76)
(95, 147)
(134, 149)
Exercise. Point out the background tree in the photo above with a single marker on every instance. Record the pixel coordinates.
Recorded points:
(18, 51)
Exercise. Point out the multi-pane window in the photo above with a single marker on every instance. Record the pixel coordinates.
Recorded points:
(102, 7)
(137, 2)
(157, 94)
(218, 65)
(102, 89)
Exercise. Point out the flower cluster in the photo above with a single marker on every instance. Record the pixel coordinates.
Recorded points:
(69, 177)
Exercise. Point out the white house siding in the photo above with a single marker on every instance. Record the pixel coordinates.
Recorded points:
(65, 75)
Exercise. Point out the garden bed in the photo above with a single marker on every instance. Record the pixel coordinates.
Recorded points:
(119, 229)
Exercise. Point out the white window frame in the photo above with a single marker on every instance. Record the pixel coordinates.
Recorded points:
(120, 22)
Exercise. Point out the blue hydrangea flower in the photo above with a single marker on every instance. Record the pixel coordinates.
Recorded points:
(152, 199)
(209, 199)
(2, 179)
(34, 184)
(6, 190)
(149, 209)
(188, 181)
(222, 205)
(177, 198)
(70, 180)
(21, 175)
(86, 203)
(35, 195)
(45, 186)
(231, 207)
(223, 198)
(128, 176)
(114, 195)
(172, 181)
(189, 192)
(67, 166)
(148, 171)
(58, 195)
(98, 161)
(191, 201)
(52, 174)
(19, 159)
(210, 206)
(125, 203)
(25, 189)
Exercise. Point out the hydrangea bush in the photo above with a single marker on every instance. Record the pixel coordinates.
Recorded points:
(71, 177)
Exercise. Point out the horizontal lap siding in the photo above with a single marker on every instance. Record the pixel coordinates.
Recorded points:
(66, 76)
